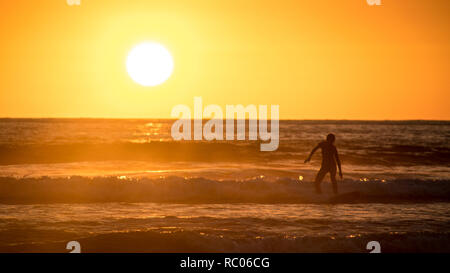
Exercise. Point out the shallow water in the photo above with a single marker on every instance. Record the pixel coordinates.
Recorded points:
(225, 227)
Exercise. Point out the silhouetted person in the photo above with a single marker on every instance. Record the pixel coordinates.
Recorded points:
(329, 159)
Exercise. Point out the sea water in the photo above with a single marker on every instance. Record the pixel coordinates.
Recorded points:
(125, 185)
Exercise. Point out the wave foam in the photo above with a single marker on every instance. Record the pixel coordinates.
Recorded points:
(199, 190)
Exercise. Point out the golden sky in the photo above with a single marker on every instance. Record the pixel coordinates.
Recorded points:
(316, 59)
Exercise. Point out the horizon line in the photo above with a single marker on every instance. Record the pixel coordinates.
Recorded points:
(281, 119)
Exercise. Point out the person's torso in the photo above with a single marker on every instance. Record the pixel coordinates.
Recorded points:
(328, 154)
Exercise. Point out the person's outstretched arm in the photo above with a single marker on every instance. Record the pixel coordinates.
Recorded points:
(312, 152)
(339, 164)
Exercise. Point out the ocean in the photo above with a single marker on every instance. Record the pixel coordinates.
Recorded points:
(123, 185)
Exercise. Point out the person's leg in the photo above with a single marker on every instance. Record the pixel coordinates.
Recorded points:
(333, 180)
(319, 177)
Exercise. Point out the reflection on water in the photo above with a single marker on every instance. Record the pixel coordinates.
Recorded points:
(369, 149)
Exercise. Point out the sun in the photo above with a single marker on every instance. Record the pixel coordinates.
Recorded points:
(149, 64)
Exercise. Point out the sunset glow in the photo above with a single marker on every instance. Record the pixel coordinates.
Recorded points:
(370, 62)
(253, 128)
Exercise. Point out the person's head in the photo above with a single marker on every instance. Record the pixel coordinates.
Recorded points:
(331, 138)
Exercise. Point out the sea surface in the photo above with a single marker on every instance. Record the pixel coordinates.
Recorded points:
(123, 185)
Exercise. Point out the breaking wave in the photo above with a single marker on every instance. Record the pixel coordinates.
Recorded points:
(174, 189)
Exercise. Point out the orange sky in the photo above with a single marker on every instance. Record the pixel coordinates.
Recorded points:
(317, 59)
